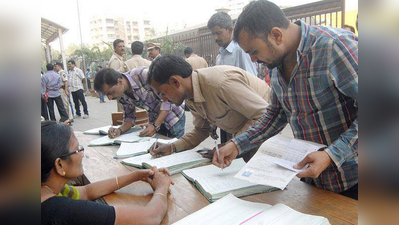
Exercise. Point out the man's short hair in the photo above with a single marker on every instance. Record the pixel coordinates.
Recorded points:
(221, 19)
(188, 50)
(72, 62)
(60, 64)
(258, 18)
(350, 27)
(167, 65)
(137, 48)
(117, 41)
(50, 66)
(106, 76)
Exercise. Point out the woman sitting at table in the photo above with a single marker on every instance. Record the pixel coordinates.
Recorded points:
(61, 157)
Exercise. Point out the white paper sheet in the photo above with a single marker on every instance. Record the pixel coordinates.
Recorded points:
(230, 210)
(263, 167)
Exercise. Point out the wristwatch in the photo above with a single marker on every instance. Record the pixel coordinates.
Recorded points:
(156, 127)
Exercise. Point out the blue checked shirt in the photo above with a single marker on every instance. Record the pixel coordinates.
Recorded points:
(145, 97)
(320, 103)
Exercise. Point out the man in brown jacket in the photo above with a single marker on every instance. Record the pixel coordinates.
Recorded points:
(194, 60)
(137, 60)
(223, 96)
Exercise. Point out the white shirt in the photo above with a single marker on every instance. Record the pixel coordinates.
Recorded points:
(75, 79)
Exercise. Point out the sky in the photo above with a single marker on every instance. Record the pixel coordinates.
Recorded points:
(161, 12)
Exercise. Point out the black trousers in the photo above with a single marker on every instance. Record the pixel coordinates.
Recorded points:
(352, 192)
(44, 110)
(89, 84)
(79, 96)
(60, 106)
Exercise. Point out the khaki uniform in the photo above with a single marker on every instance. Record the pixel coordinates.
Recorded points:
(137, 61)
(224, 96)
(197, 62)
(117, 63)
(64, 96)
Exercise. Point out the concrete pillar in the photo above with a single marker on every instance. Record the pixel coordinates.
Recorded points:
(48, 52)
(62, 48)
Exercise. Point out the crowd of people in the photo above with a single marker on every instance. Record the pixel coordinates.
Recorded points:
(312, 85)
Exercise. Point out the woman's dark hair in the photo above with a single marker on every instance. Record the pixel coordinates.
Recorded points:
(55, 143)
(167, 65)
(106, 76)
(258, 18)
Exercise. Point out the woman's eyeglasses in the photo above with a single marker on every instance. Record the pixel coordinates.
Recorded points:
(79, 150)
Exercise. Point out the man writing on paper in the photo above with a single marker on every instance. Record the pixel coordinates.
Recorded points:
(225, 96)
(131, 91)
(314, 88)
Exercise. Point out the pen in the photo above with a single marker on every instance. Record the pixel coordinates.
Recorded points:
(217, 148)
(156, 143)
(113, 131)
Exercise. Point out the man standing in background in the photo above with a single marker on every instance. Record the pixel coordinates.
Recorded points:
(64, 90)
(88, 77)
(154, 50)
(117, 62)
(137, 60)
(230, 53)
(194, 60)
(76, 77)
(51, 83)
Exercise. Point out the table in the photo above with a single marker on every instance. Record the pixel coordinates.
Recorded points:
(185, 199)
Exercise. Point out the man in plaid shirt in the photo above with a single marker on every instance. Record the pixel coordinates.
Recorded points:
(314, 80)
(131, 90)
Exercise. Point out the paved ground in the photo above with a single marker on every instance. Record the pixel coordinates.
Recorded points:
(100, 115)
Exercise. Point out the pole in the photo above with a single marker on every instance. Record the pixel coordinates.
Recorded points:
(81, 48)
(62, 47)
(343, 13)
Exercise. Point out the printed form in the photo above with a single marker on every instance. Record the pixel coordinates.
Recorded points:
(273, 164)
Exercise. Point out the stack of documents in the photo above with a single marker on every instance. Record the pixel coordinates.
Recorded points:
(140, 148)
(215, 183)
(175, 163)
(233, 211)
(273, 163)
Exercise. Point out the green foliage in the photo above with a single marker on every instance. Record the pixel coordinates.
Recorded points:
(93, 56)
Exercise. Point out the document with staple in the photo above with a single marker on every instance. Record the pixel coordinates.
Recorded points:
(272, 163)
(231, 210)
(175, 163)
(139, 148)
(215, 183)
